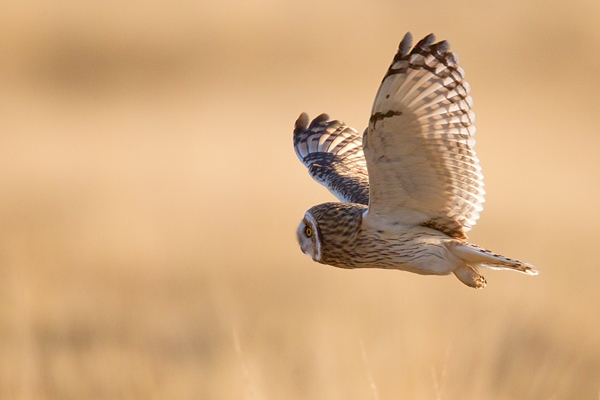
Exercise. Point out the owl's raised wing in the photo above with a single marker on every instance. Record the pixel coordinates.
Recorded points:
(419, 143)
(333, 154)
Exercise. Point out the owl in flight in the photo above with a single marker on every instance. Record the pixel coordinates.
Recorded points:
(412, 187)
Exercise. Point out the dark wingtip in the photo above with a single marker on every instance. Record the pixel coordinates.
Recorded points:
(301, 123)
(405, 44)
(320, 118)
(424, 43)
(442, 46)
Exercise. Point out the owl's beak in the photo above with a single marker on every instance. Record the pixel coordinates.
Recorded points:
(308, 251)
(302, 247)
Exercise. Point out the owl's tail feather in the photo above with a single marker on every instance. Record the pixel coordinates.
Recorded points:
(478, 256)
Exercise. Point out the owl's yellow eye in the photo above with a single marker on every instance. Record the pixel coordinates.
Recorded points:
(308, 231)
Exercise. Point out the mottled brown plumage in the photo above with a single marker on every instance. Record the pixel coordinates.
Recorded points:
(415, 168)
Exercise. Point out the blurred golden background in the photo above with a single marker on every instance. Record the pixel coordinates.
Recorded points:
(150, 196)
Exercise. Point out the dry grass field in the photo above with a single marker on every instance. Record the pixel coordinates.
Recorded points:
(149, 197)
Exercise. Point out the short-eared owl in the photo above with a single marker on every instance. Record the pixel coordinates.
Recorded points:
(412, 187)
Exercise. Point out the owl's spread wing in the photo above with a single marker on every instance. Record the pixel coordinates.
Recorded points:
(333, 154)
(419, 143)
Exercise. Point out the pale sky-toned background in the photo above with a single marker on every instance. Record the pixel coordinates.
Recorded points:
(150, 195)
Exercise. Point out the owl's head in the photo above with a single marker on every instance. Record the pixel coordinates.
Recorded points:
(308, 236)
(327, 229)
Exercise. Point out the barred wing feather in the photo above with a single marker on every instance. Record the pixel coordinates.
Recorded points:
(419, 144)
(333, 154)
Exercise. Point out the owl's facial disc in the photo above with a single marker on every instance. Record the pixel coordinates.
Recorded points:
(308, 238)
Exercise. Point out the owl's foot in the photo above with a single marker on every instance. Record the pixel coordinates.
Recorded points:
(467, 275)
